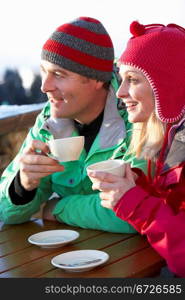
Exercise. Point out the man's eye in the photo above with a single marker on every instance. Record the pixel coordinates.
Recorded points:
(42, 71)
(57, 74)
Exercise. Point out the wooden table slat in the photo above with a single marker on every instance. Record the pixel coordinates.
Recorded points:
(29, 253)
(130, 254)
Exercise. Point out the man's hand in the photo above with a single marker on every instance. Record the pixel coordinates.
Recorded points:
(35, 165)
(47, 210)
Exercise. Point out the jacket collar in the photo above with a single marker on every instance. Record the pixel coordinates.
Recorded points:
(176, 154)
(112, 130)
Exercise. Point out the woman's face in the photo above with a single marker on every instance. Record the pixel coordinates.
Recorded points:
(136, 93)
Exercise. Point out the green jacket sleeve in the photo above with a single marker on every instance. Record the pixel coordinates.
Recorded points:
(9, 212)
(86, 211)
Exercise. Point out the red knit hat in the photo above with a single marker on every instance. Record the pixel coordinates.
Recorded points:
(159, 52)
(82, 46)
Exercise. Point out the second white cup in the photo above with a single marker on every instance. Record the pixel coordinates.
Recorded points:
(113, 166)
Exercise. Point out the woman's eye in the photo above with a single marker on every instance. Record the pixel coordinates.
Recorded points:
(132, 80)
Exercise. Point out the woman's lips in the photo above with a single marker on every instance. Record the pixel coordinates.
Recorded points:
(131, 105)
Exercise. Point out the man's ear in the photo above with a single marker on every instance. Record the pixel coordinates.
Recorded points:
(99, 84)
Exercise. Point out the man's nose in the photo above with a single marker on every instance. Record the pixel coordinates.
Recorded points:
(47, 84)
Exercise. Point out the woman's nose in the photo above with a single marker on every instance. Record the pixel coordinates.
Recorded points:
(122, 91)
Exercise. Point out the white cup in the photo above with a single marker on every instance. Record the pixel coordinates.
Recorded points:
(113, 166)
(66, 149)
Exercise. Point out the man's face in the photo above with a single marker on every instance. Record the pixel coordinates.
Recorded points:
(70, 94)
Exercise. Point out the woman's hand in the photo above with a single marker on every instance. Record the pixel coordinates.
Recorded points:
(112, 187)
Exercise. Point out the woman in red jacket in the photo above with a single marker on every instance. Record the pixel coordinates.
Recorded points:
(152, 69)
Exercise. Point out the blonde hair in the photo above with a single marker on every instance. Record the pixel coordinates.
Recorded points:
(147, 138)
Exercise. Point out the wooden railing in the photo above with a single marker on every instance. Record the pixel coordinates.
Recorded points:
(13, 131)
(18, 122)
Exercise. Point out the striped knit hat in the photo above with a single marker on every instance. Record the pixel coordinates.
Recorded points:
(82, 46)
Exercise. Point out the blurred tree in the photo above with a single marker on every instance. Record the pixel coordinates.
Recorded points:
(14, 88)
(35, 93)
(3, 94)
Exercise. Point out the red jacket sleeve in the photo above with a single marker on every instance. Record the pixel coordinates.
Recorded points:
(163, 226)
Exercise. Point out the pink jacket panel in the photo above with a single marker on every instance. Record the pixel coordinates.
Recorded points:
(154, 216)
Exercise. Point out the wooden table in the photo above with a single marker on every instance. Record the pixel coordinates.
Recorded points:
(130, 254)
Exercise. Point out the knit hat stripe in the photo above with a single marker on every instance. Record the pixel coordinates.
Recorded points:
(83, 46)
(75, 55)
(84, 34)
(91, 26)
(75, 67)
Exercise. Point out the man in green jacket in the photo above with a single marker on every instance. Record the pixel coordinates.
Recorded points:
(80, 82)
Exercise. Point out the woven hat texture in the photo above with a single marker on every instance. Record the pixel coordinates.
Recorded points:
(159, 52)
(82, 46)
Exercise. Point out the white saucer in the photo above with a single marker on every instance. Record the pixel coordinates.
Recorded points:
(53, 238)
(78, 257)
